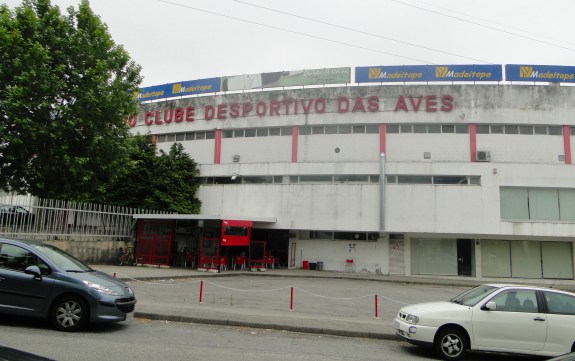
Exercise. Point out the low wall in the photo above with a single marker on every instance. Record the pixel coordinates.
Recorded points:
(91, 252)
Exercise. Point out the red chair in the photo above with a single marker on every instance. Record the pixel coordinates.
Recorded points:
(270, 262)
(240, 261)
(223, 263)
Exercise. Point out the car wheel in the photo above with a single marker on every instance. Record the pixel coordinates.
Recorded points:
(69, 313)
(451, 344)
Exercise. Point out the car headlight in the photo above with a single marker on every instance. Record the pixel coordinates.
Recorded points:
(101, 288)
(412, 319)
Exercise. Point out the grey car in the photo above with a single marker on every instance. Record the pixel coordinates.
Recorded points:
(40, 280)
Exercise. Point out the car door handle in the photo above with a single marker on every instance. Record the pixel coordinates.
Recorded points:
(538, 319)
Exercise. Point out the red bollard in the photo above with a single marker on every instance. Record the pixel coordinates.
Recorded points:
(376, 313)
(114, 274)
(291, 300)
(201, 289)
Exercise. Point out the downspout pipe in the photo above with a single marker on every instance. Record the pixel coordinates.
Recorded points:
(382, 194)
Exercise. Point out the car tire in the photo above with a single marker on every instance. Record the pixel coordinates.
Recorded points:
(451, 344)
(69, 313)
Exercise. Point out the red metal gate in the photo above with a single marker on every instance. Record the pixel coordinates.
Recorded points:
(154, 242)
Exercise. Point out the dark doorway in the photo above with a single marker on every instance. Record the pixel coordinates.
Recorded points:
(277, 243)
(465, 257)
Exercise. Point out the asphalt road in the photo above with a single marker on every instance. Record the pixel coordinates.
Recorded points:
(146, 340)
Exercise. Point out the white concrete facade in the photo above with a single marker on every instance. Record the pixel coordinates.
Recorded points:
(318, 138)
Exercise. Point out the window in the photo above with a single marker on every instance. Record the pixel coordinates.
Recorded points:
(447, 128)
(437, 179)
(331, 129)
(540, 129)
(434, 128)
(317, 130)
(262, 132)
(414, 179)
(228, 134)
(171, 137)
(18, 259)
(482, 129)
(274, 132)
(238, 133)
(315, 178)
(516, 301)
(359, 129)
(555, 130)
(519, 203)
(250, 133)
(461, 129)
(200, 135)
(392, 128)
(559, 303)
(350, 178)
(304, 130)
(190, 136)
(420, 128)
(406, 128)
(210, 135)
(497, 129)
(286, 131)
(511, 129)
(372, 129)
(525, 129)
(345, 129)
(180, 137)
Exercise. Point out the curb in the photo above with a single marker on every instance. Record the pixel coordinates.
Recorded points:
(267, 326)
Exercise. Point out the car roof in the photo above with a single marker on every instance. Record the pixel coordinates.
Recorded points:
(19, 241)
(527, 287)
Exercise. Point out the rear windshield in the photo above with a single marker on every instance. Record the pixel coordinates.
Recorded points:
(473, 296)
(62, 259)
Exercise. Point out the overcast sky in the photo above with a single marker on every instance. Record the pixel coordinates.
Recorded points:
(177, 40)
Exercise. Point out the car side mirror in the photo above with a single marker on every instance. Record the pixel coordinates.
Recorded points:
(34, 271)
(490, 306)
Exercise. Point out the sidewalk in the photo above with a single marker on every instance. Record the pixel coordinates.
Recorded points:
(323, 302)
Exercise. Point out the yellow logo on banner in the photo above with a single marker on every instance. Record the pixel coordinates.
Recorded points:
(176, 88)
(441, 71)
(374, 73)
(525, 71)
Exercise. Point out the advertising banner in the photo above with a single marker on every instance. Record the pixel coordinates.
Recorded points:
(287, 78)
(424, 73)
(189, 87)
(540, 73)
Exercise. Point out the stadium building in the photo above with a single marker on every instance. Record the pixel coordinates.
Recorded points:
(396, 175)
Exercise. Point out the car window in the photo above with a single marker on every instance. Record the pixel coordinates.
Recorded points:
(560, 303)
(18, 259)
(473, 296)
(516, 301)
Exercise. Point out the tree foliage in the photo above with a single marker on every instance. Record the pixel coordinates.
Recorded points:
(66, 90)
(167, 181)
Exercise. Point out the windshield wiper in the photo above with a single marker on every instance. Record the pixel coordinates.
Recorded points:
(74, 271)
(459, 302)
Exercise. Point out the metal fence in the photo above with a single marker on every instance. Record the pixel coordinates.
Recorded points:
(42, 219)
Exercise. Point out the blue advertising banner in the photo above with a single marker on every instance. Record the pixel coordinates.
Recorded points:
(542, 73)
(415, 73)
(189, 87)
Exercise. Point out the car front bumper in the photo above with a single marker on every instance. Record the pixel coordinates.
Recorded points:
(415, 334)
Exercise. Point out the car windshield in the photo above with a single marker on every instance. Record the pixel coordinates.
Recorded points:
(62, 259)
(473, 296)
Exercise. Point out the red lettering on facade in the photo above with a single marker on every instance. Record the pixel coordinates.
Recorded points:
(401, 105)
(222, 110)
(275, 107)
(342, 105)
(261, 108)
(373, 103)
(157, 119)
(358, 105)
(209, 112)
(168, 116)
(446, 103)
(246, 109)
(320, 105)
(147, 119)
(190, 113)
(414, 103)
(234, 110)
(287, 103)
(307, 107)
(431, 103)
(179, 115)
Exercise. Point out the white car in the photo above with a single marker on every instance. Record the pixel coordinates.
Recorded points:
(493, 317)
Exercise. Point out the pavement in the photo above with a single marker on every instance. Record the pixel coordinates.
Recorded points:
(309, 301)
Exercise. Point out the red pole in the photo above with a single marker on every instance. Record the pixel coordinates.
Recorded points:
(376, 313)
(114, 274)
(201, 289)
(291, 300)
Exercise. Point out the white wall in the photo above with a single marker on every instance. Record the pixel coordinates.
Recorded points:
(508, 148)
(368, 257)
(409, 147)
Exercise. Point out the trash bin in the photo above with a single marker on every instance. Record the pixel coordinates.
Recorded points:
(312, 266)
(305, 264)
(320, 266)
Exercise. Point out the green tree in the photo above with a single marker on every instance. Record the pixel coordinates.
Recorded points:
(66, 90)
(146, 179)
(175, 182)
